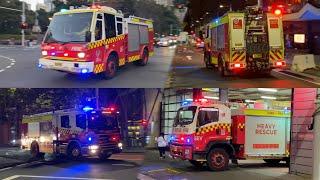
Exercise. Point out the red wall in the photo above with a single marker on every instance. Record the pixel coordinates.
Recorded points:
(301, 137)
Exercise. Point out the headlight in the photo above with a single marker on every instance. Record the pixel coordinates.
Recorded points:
(44, 53)
(120, 145)
(94, 147)
(81, 55)
(42, 139)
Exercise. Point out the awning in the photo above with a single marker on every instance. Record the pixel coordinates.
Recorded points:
(307, 13)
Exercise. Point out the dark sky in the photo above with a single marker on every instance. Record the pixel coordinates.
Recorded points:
(198, 8)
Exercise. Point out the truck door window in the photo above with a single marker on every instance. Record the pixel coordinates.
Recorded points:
(65, 121)
(110, 25)
(98, 30)
(81, 121)
(119, 26)
(208, 115)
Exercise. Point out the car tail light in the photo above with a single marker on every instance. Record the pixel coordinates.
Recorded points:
(280, 63)
(237, 65)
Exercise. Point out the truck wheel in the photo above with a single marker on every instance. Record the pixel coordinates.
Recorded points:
(144, 60)
(104, 156)
(111, 68)
(221, 69)
(34, 149)
(272, 162)
(197, 164)
(74, 152)
(207, 61)
(218, 159)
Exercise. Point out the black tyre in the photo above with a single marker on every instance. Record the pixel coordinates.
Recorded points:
(221, 68)
(272, 162)
(34, 149)
(111, 67)
(74, 152)
(218, 159)
(197, 164)
(144, 59)
(207, 61)
(104, 156)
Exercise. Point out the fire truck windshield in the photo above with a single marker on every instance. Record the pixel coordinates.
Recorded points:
(185, 116)
(69, 28)
(102, 122)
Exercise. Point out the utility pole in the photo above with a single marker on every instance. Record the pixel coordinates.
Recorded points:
(23, 20)
(316, 147)
(97, 99)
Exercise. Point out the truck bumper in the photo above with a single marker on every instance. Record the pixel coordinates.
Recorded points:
(182, 152)
(67, 66)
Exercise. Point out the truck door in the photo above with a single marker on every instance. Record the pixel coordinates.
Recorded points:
(237, 39)
(99, 34)
(276, 40)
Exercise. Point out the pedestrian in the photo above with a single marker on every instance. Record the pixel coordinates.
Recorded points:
(162, 144)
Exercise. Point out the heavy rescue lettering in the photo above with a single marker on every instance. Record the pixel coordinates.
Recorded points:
(266, 129)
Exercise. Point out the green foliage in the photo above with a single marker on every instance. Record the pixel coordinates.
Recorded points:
(19, 102)
(43, 18)
(10, 20)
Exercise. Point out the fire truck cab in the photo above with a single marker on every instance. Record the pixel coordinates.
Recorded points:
(74, 133)
(213, 134)
(96, 40)
(250, 41)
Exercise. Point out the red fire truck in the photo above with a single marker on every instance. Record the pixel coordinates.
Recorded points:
(212, 133)
(96, 40)
(74, 133)
(250, 41)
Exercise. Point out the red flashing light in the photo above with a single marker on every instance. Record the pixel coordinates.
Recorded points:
(144, 123)
(237, 65)
(280, 63)
(277, 12)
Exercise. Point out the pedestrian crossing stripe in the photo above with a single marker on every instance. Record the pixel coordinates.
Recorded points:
(134, 58)
(105, 42)
(98, 68)
(214, 127)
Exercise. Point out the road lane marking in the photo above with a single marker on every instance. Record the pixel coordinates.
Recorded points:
(12, 63)
(128, 165)
(144, 177)
(12, 177)
(4, 169)
(50, 177)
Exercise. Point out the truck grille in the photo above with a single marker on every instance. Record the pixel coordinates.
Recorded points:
(105, 142)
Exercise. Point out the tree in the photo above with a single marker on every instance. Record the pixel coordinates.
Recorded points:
(43, 18)
(10, 20)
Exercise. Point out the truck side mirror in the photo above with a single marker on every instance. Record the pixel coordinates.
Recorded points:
(88, 36)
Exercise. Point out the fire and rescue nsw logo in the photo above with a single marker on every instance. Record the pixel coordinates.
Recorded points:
(237, 23)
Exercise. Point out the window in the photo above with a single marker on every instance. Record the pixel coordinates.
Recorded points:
(81, 121)
(110, 25)
(208, 115)
(98, 31)
(65, 122)
(119, 26)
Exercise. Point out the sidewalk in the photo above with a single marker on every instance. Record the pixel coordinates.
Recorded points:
(155, 168)
(12, 156)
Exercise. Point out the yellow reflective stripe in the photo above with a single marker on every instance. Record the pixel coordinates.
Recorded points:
(272, 113)
(104, 42)
(38, 118)
(213, 127)
(134, 58)
(98, 68)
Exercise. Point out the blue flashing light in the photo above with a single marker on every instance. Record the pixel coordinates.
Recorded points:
(39, 65)
(63, 10)
(90, 139)
(84, 71)
(188, 140)
(216, 21)
(87, 108)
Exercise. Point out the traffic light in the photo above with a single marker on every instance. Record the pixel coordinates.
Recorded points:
(24, 25)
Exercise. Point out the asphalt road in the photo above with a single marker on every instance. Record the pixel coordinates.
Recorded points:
(176, 169)
(18, 68)
(122, 166)
(188, 70)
